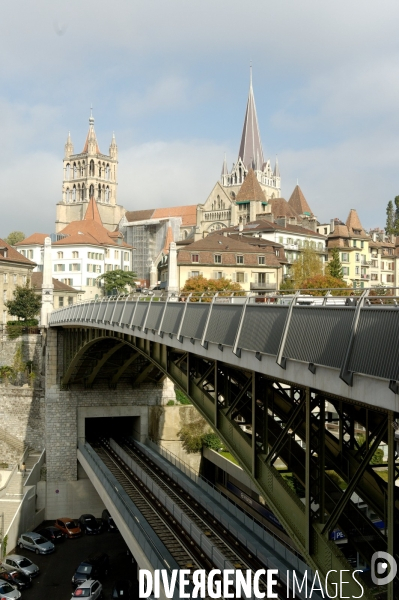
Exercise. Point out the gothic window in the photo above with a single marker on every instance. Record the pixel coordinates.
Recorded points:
(67, 171)
(74, 193)
(74, 170)
(240, 175)
(107, 194)
(91, 168)
(99, 191)
(107, 172)
(91, 191)
(99, 170)
(67, 195)
(82, 192)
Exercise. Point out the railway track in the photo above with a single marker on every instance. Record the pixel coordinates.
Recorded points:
(232, 550)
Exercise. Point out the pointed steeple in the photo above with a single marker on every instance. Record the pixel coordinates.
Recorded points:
(225, 170)
(113, 149)
(92, 213)
(251, 146)
(250, 189)
(299, 203)
(91, 145)
(68, 146)
(276, 171)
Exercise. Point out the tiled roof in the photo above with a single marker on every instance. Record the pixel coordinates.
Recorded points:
(92, 213)
(281, 208)
(354, 225)
(299, 202)
(13, 255)
(250, 189)
(139, 215)
(187, 213)
(339, 231)
(35, 238)
(37, 280)
(265, 225)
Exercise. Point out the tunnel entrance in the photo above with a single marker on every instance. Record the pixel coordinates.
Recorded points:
(115, 427)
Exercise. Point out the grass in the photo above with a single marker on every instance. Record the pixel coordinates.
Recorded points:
(229, 457)
(382, 474)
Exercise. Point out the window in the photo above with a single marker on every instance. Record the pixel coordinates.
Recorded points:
(59, 267)
(24, 279)
(70, 300)
(325, 230)
(5, 277)
(354, 243)
(345, 271)
(67, 281)
(5, 296)
(240, 259)
(263, 277)
(89, 281)
(30, 253)
(357, 257)
(344, 257)
(15, 278)
(194, 274)
(60, 255)
(126, 256)
(116, 253)
(218, 275)
(218, 258)
(23, 252)
(61, 301)
(277, 252)
(107, 253)
(261, 260)
(108, 267)
(195, 258)
(280, 240)
(362, 244)
(357, 270)
(75, 254)
(74, 267)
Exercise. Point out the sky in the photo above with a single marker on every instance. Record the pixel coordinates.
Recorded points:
(171, 78)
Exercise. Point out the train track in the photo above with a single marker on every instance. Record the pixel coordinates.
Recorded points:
(232, 549)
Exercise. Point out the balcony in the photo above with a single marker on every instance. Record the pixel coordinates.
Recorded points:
(365, 276)
(291, 247)
(263, 287)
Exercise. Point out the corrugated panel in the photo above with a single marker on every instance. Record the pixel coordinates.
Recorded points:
(173, 316)
(376, 349)
(140, 313)
(118, 312)
(223, 323)
(319, 334)
(94, 312)
(262, 328)
(195, 320)
(101, 311)
(127, 313)
(155, 316)
(86, 310)
(109, 310)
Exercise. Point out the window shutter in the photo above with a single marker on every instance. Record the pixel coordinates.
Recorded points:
(255, 277)
(233, 277)
(245, 277)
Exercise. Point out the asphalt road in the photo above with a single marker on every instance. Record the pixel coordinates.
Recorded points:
(54, 581)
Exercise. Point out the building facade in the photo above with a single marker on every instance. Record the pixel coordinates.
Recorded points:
(15, 270)
(89, 174)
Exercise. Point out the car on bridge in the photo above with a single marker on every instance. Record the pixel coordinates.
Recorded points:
(7, 591)
(91, 590)
(35, 542)
(21, 563)
(69, 527)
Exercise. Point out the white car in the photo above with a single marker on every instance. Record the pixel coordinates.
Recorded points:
(8, 591)
(90, 589)
(21, 563)
(36, 542)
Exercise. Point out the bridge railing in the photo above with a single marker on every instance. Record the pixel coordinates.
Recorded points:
(346, 329)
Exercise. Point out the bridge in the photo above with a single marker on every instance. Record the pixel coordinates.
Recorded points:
(262, 376)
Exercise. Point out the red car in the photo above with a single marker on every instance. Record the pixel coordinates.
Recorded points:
(69, 527)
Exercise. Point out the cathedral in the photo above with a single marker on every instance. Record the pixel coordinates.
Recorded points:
(89, 174)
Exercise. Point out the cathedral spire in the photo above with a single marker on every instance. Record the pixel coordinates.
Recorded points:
(276, 172)
(251, 146)
(113, 149)
(91, 145)
(68, 146)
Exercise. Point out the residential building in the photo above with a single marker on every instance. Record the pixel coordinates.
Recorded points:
(89, 174)
(64, 295)
(83, 250)
(15, 270)
(255, 266)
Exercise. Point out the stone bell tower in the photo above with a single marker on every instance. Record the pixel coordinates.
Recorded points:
(89, 174)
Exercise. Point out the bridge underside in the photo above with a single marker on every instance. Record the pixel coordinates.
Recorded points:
(260, 419)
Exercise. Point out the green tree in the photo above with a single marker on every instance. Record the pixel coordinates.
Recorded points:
(396, 217)
(199, 285)
(26, 304)
(324, 282)
(117, 280)
(308, 264)
(14, 237)
(390, 223)
(334, 267)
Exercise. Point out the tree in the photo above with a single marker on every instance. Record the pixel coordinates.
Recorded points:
(325, 282)
(118, 280)
(308, 264)
(334, 267)
(26, 304)
(199, 285)
(390, 223)
(396, 221)
(14, 237)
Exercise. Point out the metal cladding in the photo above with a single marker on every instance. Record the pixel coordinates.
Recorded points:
(317, 335)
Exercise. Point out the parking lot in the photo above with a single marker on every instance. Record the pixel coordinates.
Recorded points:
(54, 581)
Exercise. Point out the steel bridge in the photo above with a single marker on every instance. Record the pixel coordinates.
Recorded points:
(261, 375)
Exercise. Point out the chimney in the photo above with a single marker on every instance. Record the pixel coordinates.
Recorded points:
(332, 225)
(282, 221)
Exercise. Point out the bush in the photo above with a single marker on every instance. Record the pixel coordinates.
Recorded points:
(212, 441)
(182, 398)
(28, 323)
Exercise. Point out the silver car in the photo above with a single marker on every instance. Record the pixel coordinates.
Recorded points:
(90, 589)
(35, 542)
(20, 563)
(8, 591)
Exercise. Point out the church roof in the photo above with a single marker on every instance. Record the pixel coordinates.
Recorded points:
(251, 152)
(34, 239)
(281, 208)
(13, 255)
(91, 136)
(89, 231)
(299, 202)
(250, 189)
(188, 214)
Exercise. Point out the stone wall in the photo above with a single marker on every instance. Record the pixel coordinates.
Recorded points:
(31, 349)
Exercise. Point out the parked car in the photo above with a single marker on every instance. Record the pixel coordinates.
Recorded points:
(96, 566)
(35, 542)
(108, 521)
(21, 563)
(16, 578)
(122, 589)
(90, 525)
(8, 591)
(69, 527)
(91, 589)
(53, 534)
